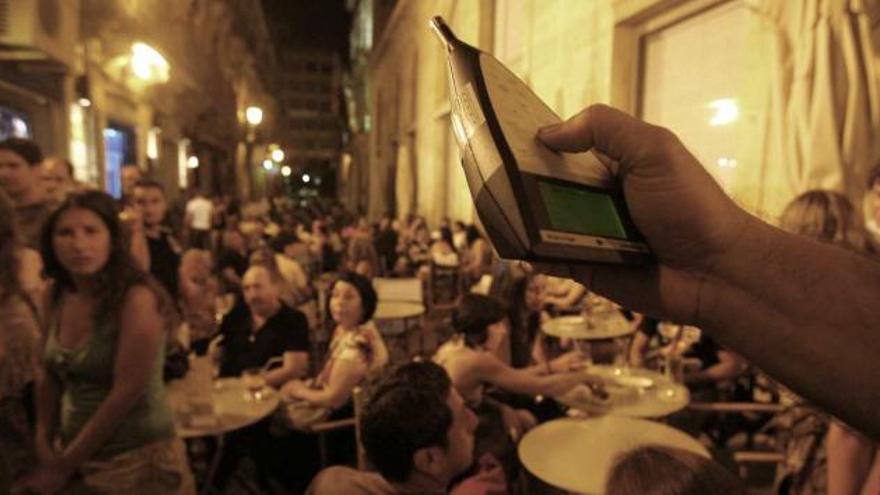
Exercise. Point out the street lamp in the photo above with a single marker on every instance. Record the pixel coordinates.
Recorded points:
(253, 115)
(278, 155)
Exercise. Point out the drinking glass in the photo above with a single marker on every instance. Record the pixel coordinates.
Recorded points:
(254, 382)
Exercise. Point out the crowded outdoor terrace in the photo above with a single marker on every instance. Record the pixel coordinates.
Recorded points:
(284, 247)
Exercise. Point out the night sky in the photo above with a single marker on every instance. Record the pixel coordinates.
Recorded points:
(308, 24)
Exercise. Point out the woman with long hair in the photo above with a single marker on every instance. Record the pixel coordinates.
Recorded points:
(107, 324)
(19, 347)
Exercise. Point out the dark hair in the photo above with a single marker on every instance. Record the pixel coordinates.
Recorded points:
(405, 411)
(656, 470)
(510, 283)
(10, 242)
(473, 315)
(283, 239)
(150, 184)
(873, 176)
(446, 235)
(63, 161)
(365, 289)
(118, 275)
(25, 148)
(827, 216)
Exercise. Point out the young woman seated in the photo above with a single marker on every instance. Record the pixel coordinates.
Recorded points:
(356, 347)
(471, 367)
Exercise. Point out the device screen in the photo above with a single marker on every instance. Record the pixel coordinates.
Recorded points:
(581, 211)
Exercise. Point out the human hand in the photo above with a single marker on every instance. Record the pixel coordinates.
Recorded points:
(293, 389)
(571, 360)
(132, 218)
(686, 218)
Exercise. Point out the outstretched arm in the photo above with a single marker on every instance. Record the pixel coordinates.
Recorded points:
(801, 310)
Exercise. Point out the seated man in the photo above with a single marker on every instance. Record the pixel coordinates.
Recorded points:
(265, 329)
(251, 335)
(419, 434)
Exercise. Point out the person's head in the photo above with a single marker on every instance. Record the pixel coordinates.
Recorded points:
(149, 198)
(446, 236)
(130, 174)
(826, 216)
(458, 226)
(83, 241)
(20, 171)
(475, 316)
(196, 265)
(362, 256)
(656, 470)
(10, 243)
(422, 234)
(57, 177)
(352, 300)
(414, 422)
(261, 291)
(233, 240)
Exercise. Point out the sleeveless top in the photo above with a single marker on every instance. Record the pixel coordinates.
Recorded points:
(365, 345)
(85, 374)
(449, 351)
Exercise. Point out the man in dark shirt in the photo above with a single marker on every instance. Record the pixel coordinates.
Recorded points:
(267, 329)
(149, 199)
(262, 329)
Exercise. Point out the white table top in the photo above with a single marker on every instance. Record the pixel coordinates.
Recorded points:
(633, 392)
(577, 454)
(233, 407)
(397, 310)
(578, 327)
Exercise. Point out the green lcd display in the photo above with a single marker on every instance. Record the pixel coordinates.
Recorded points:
(581, 211)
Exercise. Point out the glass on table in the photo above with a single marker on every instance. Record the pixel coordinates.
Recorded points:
(254, 380)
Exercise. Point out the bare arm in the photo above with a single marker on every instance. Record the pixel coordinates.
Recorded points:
(569, 298)
(295, 365)
(138, 347)
(638, 348)
(48, 397)
(849, 459)
(802, 311)
(345, 377)
(491, 370)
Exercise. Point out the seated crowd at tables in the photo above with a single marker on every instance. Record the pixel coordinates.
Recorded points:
(105, 300)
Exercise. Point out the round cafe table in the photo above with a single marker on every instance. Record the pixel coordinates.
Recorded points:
(577, 454)
(231, 406)
(633, 392)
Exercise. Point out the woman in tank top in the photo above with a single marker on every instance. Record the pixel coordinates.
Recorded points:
(107, 325)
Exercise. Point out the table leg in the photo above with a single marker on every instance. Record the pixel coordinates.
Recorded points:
(208, 485)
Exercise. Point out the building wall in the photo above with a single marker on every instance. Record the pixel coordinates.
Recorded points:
(562, 48)
(574, 53)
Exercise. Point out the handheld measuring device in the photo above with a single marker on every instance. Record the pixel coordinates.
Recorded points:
(535, 204)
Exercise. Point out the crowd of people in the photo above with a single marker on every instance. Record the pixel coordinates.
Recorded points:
(103, 299)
